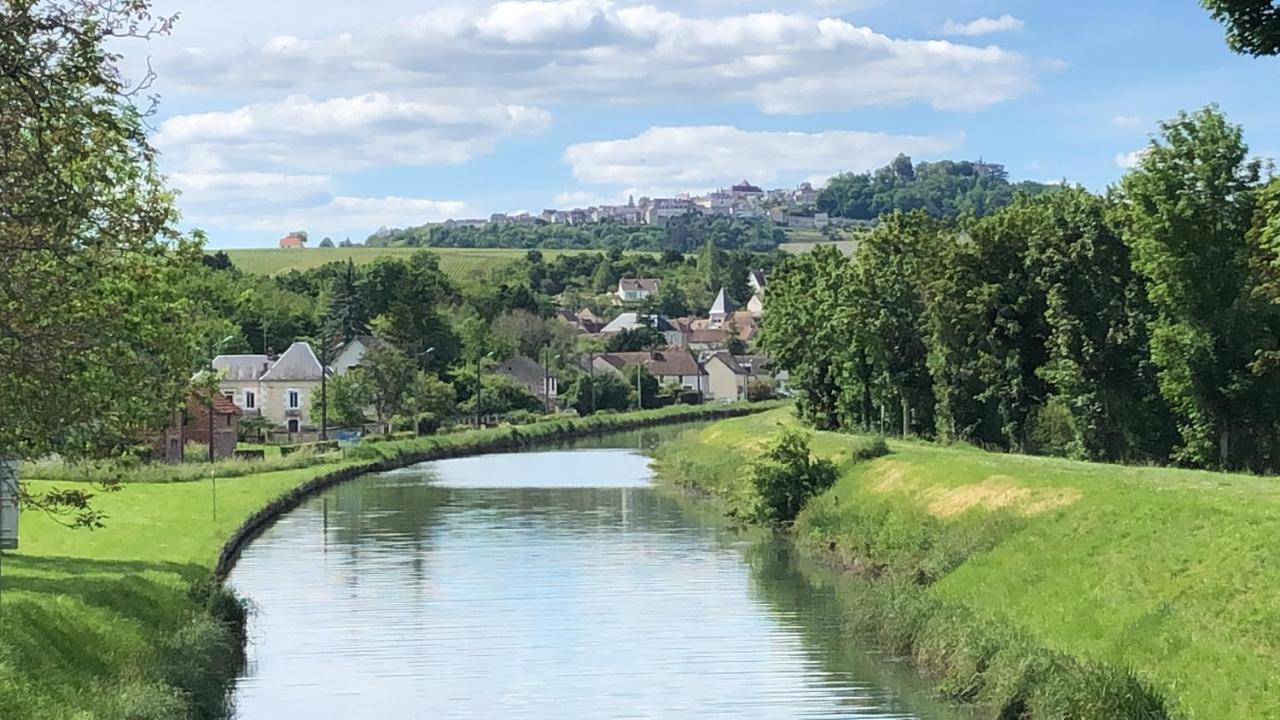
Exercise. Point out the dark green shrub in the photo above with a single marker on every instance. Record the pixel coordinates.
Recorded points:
(785, 476)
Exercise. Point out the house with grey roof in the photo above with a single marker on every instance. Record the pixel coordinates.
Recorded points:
(533, 376)
(631, 290)
(673, 335)
(279, 389)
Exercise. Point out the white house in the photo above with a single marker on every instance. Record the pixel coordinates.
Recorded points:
(636, 289)
(353, 353)
(279, 389)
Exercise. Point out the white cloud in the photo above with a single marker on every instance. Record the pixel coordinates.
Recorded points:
(550, 51)
(278, 203)
(667, 160)
(342, 134)
(1130, 159)
(983, 26)
(1126, 120)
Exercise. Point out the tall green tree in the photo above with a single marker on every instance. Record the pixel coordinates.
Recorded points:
(1098, 316)
(1253, 26)
(415, 320)
(988, 331)
(893, 267)
(347, 316)
(390, 374)
(811, 327)
(1187, 209)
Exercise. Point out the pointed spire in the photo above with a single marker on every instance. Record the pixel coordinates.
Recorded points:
(721, 307)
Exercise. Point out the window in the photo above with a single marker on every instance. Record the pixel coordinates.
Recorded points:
(228, 417)
(295, 401)
(250, 400)
(293, 426)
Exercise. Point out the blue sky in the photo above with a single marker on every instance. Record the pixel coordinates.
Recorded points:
(340, 118)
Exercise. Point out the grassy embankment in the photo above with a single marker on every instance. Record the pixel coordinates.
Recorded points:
(456, 262)
(1037, 587)
(123, 622)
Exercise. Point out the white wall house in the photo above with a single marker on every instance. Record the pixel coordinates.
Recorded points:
(636, 289)
(278, 389)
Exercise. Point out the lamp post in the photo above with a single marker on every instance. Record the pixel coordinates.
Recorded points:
(546, 377)
(479, 387)
(213, 350)
(591, 372)
(417, 422)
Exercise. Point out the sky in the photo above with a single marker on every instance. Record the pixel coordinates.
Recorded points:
(340, 118)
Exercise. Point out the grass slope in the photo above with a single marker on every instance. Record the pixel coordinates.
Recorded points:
(101, 624)
(457, 262)
(1170, 573)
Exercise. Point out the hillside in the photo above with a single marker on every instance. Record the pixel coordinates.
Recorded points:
(989, 565)
(454, 261)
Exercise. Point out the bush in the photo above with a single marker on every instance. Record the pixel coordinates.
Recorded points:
(785, 476)
(759, 390)
(1052, 431)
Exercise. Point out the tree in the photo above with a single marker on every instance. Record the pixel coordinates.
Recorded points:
(637, 376)
(784, 477)
(417, 296)
(670, 300)
(326, 243)
(95, 338)
(390, 373)
(1098, 318)
(1253, 26)
(813, 331)
(347, 316)
(988, 331)
(1187, 209)
(349, 396)
(894, 266)
(589, 393)
(637, 339)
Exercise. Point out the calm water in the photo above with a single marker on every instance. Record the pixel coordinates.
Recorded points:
(542, 585)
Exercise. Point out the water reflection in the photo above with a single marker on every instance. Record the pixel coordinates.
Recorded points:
(554, 585)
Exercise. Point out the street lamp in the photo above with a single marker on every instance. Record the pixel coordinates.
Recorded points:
(417, 421)
(213, 350)
(546, 377)
(479, 387)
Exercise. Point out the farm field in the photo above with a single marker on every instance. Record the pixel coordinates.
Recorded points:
(454, 261)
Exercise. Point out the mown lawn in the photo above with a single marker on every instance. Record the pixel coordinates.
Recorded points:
(93, 622)
(1172, 573)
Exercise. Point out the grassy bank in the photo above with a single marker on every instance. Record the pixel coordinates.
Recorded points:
(124, 622)
(1037, 587)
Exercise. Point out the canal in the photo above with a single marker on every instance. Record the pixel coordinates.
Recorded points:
(553, 584)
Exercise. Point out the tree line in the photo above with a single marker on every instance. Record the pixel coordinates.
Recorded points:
(680, 234)
(1140, 325)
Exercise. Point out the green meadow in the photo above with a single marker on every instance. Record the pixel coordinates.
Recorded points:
(1039, 587)
(457, 262)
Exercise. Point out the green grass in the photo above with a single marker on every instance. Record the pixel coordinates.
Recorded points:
(122, 622)
(982, 559)
(104, 624)
(456, 262)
